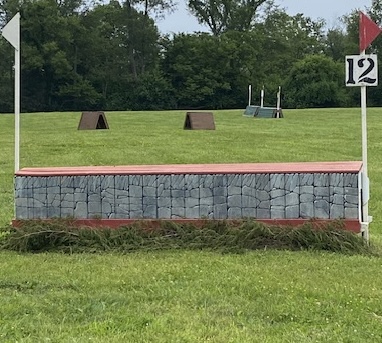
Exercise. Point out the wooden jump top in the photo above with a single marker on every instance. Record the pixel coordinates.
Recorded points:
(168, 169)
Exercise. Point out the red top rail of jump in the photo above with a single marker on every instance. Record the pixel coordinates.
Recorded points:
(168, 169)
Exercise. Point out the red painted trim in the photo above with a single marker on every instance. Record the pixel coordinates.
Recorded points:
(350, 224)
(239, 168)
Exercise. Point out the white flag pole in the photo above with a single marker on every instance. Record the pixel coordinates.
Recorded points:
(11, 32)
(249, 94)
(262, 97)
(17, 109)
(365, 178)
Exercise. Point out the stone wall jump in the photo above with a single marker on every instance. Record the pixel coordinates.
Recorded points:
(327, 190)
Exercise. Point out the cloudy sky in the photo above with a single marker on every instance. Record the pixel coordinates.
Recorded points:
(329, 10)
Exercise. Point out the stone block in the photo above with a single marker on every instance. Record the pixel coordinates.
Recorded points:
(292, 212)
(21, 202)
(192, 212)
(234, 213)
(262, 195)
(321, 209)
(54, 212)
(307, 210)
(219, 200)
(205, 192)
(164, 212)
(263, 213)
(94, 209)
(150, 211)
(292, 182)
(81, 182)
(351, 201)
(220, 211)
(81, 210)
(278, 197)
(122, 211)
(164, 202)
(136, 214)
(321, 180)
(68, 181)
(206, 211)
(337, 211)
(21, 212)
(306, 180)
(234, 201)
(177, 201)
(121, 197)
(234, 186)
(351, 213)
(264, 204)
(191, 185)
(135, 191)
(277, 212)
(351, 180)
(191, 202)
(277, 181)
(249, 202)
(263, 182)
(292, 199)
(178, 212)
(178, 182)
(248, 212)
(121, 182)
(321, 191)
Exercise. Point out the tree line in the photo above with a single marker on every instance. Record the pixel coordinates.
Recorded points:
(77, 55)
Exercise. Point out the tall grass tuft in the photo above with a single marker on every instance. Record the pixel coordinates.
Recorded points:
(243, 235)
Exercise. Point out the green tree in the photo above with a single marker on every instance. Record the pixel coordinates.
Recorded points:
(224, 15)
(49, 41)
(157, 7)
(120, 46)
(7, 77)
(336, 42)
(211, 71)
(280, 41)
(316, 81)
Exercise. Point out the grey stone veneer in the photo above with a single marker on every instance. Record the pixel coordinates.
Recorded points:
(217, 196)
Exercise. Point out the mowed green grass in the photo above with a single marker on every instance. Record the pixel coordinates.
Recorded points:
(183, 296)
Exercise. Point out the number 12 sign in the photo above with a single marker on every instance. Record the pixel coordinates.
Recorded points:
(361, 70)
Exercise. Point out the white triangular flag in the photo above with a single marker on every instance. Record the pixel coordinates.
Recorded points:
(11, 31)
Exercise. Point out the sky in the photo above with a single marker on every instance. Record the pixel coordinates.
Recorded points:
(330, 10)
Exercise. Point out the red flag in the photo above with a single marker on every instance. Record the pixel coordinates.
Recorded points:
(368, 31)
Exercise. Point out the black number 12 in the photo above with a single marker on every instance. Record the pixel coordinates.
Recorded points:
(361, 64)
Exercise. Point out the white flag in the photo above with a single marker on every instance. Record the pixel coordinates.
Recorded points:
(11, 31)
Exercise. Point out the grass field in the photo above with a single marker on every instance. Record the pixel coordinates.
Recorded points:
(182, 296)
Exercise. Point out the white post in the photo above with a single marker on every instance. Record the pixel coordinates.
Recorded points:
(278, 106)
(11, 32)
(262, 97)
(365, 178)
(17, 109)
(249, 94)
